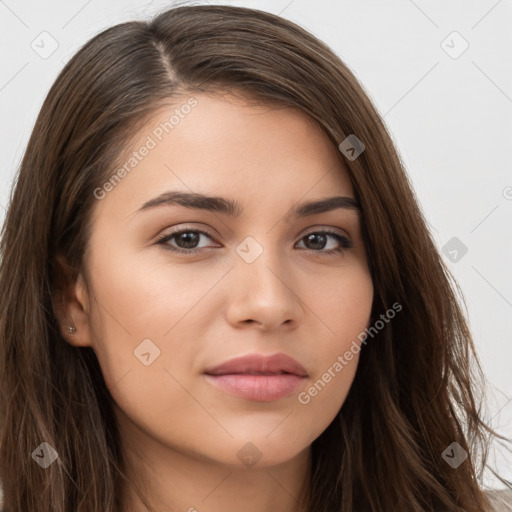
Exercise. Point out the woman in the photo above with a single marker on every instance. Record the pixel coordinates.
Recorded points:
(219, 292)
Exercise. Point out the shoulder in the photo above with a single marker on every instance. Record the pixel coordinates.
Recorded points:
(500, 500)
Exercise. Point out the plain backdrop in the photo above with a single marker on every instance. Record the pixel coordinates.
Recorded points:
(439, 73)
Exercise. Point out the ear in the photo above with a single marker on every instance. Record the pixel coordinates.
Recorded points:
(72, 305)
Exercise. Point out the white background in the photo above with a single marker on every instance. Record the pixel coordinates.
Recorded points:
(451, 119)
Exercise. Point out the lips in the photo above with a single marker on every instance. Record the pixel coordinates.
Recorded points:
(256, 364)
(258, 378)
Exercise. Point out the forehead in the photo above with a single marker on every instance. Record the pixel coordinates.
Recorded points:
(225, 146)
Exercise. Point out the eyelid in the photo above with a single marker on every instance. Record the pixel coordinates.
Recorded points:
(183, 228)
(320, 227)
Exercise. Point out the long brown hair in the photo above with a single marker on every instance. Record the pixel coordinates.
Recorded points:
(416, 390)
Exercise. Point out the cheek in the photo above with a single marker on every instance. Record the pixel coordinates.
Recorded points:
(319, 402)
(344, 305)
(151, 313)
(137, 300)
(344, 315)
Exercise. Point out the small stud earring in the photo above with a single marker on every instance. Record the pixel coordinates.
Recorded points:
(72, 329)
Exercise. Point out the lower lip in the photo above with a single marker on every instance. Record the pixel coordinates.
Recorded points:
(261, 388)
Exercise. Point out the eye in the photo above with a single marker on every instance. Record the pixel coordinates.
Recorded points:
(188, 238)
(320, 238)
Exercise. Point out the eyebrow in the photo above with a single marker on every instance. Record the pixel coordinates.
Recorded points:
(234, 209)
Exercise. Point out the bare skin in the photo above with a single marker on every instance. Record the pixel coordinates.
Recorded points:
(182, 436)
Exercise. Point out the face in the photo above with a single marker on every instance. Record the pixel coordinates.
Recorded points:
(177, 290)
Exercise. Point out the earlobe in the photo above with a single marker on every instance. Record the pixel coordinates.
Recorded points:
(68, 331)
(76, 337)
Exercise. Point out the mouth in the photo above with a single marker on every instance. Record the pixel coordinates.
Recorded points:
(257, 377)
(248, 373)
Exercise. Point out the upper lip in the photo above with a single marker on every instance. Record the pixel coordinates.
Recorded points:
(259, 363)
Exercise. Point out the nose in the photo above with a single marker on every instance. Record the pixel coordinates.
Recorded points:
(262, 294)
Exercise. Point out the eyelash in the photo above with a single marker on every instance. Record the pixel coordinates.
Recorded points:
(345, 243)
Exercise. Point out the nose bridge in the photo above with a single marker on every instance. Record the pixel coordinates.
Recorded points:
(261, 261)
(262, 283)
